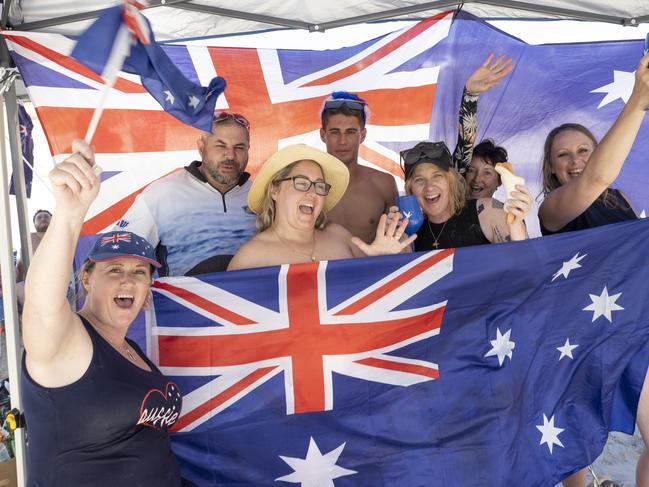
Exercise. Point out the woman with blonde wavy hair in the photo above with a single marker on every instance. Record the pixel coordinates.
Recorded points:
(291, 195)
(451, 220)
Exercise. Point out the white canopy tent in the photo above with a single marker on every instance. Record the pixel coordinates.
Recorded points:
(173, 20)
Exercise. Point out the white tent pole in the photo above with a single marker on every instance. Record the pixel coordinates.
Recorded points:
(9, 297)
(18, 176)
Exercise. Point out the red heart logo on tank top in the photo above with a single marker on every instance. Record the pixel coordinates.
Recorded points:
(160, 409)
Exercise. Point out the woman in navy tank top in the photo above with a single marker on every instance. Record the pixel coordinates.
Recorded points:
(577, 173)
(97, 410)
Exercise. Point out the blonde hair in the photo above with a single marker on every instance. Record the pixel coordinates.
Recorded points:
(456, 186)
(266, 215)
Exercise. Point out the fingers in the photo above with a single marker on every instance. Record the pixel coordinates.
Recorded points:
(81, 147)
(76, 172)
(392, 212)
(519, 203)
(361, 245)
(487, 61)
(407, 242)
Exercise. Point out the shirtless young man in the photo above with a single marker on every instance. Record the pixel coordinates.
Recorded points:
(370, 192)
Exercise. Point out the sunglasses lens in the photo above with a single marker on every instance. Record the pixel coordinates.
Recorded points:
(240, 119)
(351, 104)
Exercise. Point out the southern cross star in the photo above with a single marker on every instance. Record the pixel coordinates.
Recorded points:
(603, 305)
(568, 266)
(566, 349)
(316, 470)
(550, 433)
(501, 346)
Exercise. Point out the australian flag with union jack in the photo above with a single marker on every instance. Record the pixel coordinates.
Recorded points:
(494, 365)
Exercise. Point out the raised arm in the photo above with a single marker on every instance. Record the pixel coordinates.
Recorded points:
(488, 75)
(572, 198)
(49, 325)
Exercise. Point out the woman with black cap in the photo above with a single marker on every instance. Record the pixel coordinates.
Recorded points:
(451, 220)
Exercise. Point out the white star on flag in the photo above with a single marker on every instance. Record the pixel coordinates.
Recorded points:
(193, 101)
(115, 246)
(603, 305)
(571, 265)
(316, 470)
(501, 346)
(566, 349)
(550, 434)
(169, 96)
(621, 87)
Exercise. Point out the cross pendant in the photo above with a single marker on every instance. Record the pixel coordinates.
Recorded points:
(436, 245)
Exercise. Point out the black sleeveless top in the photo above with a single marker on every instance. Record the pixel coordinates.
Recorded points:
(598, 214)
(108, 428)
(461, 230)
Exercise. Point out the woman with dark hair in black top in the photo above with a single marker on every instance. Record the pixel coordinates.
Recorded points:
(97, 410)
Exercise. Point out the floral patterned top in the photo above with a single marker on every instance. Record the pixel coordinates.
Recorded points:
(467, 132)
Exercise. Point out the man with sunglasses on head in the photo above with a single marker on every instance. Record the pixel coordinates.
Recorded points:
(370, 192)
(198, 217)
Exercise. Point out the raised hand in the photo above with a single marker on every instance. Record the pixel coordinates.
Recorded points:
(74, 182)
(489, 74)
(519, 204)
(640, 93)
(388, 237)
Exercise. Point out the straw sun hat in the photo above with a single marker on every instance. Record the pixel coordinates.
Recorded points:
(334, 171)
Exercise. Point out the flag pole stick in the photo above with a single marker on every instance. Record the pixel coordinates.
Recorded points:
(94, 121)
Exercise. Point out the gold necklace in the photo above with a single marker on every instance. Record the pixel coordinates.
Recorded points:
(436, 238)
(310, 256)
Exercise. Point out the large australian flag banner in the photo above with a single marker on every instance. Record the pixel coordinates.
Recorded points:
(493, 365)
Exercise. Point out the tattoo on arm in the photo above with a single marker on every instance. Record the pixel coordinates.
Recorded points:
(467, 131)
(497, 204)
(498, 237)
(480, 208)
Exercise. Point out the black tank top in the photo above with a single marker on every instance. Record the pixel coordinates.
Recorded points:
(598, 214)
(108, 428)
(461, 230)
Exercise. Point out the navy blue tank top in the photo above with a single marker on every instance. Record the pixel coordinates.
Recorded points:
(598, 214)
(106, 429)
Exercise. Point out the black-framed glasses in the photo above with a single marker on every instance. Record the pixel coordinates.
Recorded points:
(434, 152)
(223, 116)
(302, 183)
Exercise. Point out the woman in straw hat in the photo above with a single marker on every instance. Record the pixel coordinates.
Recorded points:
(291, 195)
(97, 409)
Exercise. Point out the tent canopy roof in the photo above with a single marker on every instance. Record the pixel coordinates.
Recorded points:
(182, 19)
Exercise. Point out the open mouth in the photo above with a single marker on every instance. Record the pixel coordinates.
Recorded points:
(575, 172)
(306, 208)
(476, 189)
(433, 198)
(124, 301)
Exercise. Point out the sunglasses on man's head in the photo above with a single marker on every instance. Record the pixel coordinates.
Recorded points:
(337, 103)
(302, 183)
(223, 116)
